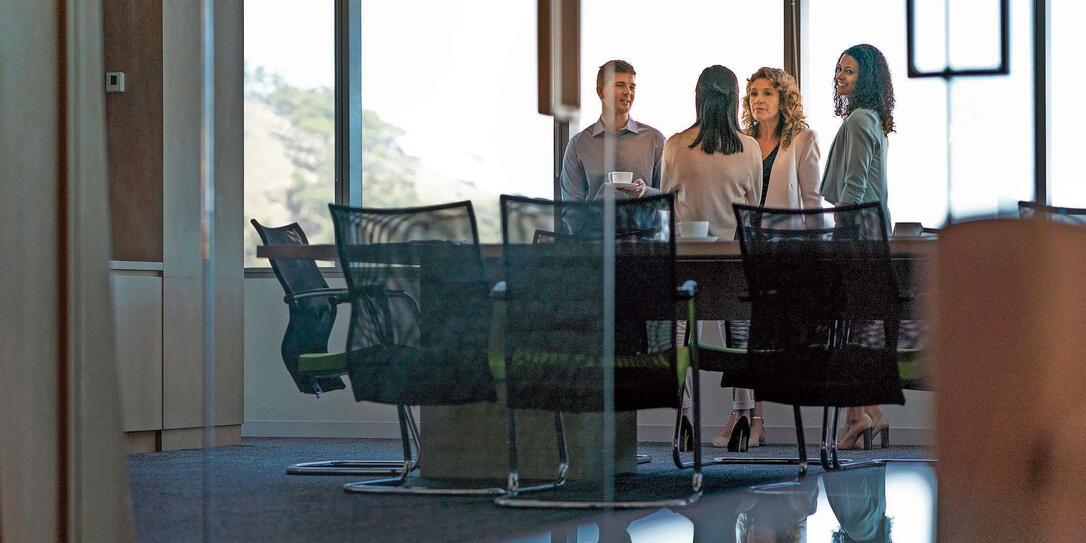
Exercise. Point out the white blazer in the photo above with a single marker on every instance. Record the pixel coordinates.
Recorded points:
(793, 183)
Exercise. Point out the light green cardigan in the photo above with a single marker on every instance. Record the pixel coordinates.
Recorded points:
(856, 165)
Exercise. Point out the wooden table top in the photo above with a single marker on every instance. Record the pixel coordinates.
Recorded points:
(725, 250)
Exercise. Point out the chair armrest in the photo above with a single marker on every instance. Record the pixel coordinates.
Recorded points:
(499, 290)
(334, 295)
(688, 290)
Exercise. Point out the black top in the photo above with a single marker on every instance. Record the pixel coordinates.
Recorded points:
(767, 168)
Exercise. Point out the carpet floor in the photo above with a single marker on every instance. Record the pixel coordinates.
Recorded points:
(241, 493)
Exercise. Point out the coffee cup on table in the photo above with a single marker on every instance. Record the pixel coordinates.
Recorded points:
(693, 229)
(620, 177)
(908, 229)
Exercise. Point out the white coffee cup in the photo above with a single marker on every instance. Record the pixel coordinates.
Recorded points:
(908, 229)
(620, 177)
(693, 229)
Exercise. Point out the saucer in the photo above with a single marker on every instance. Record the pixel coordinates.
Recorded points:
(706, 238)
(621, 185)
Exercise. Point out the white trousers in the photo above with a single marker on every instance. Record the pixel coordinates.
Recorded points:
(742, 398)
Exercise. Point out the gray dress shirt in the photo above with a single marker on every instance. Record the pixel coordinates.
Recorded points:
(638, 148)
(856, 165)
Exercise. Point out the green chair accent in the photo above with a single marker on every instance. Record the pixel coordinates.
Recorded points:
(320, 364)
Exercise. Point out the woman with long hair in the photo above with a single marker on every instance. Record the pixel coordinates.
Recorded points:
(863, 95)
(710, 166)
(773, 115)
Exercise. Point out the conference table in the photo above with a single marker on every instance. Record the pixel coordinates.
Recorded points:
(717, 267)
(468, 441)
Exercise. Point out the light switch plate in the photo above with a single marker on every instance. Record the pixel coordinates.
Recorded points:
(114, 81)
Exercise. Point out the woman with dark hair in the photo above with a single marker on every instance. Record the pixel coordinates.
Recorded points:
(710, 166)
(856, 173)
(864, 95)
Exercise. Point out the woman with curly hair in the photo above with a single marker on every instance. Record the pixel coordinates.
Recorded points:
(864, 95)
(856, 173)
(773, 115)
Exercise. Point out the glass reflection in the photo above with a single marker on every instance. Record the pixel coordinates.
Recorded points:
(866, 505)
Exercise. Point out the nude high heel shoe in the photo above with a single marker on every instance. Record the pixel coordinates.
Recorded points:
(757, 430)
(853, 433)
(881, 428)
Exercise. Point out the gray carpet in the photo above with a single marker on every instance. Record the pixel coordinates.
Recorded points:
(241, 493)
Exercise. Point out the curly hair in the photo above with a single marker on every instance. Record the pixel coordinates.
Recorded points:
(791, 118)
(874, 90)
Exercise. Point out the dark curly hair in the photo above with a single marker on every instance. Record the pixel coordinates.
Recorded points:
(874, 90)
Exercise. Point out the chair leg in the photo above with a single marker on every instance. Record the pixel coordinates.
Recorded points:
(833, 440)
(361, 467)
(800, 441)
(823, 446)
(510, 498)
(398, 485)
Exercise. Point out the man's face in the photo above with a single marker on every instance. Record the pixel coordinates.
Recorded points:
(617, 93)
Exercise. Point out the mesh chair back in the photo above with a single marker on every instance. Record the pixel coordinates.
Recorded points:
(555, 303)
(811, 282)
(1070, 215)
(420, 316)
(311, 319)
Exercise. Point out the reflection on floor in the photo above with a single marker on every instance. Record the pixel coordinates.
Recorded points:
(242, 494)
(877, 504)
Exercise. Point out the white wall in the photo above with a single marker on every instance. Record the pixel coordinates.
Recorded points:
(274, 407)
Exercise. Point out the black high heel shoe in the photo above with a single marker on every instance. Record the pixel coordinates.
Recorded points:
(686, 435)
(740, 440)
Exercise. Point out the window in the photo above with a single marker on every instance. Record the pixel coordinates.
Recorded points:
(1066, 80)
(289, 117)
(670, 47)
(916, 187)
(449, 106)
(990, 118)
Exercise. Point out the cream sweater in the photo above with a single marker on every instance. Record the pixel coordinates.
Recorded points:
(707, 185)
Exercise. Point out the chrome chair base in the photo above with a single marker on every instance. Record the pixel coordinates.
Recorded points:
(348, 467)
(396, 485)
(547, 504)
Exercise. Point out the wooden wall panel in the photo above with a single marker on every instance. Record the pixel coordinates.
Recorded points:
(133, 45)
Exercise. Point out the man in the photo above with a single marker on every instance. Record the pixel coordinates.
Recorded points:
(637, 146)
